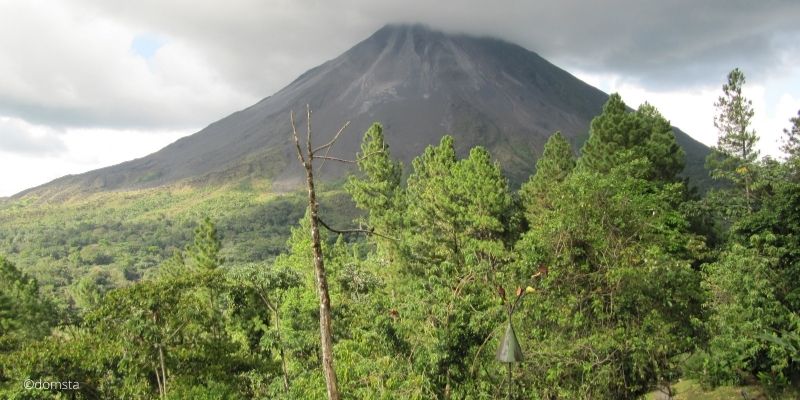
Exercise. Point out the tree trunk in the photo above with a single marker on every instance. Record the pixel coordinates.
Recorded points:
(163, 368)
(158, 380)
(326, 340)
(282, 351)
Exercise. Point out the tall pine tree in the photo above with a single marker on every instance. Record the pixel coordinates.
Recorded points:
(555, 164)
(734, 157)
(666, 157)
(455, 245)
(734, 113)
(204, 252)
(617, 137)
(610, 132)
(791, 140)
(377, 190)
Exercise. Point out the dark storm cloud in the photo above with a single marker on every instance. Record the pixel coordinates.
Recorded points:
(261, 45)
(76, 66)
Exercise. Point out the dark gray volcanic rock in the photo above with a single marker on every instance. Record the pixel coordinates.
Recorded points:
(419, 83)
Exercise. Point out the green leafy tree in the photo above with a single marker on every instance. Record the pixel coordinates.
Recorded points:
(269, 285)
(617, 136)
(455, 240)
(753, 286)
(619, 296)
(90, 289)
(553, 167)
(734, 157)
(791, 141)
(25, 314)
(204, 252)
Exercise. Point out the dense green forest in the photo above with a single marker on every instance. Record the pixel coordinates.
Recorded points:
(618, 276)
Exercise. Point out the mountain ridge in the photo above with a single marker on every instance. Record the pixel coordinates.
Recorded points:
(418, 82)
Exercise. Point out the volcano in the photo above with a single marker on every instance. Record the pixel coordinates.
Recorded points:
(418, 82)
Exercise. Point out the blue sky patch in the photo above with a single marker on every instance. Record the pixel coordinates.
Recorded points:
(146, 45)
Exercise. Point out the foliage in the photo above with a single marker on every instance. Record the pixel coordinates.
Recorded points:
(630, 282)
(733, 159)
(618, 136)
(791, 142)
(752, 285)
(620, 298)
(555, 164)
(24, 313)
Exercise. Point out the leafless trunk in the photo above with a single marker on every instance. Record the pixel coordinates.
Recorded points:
(322, 289)
(325, 329)
(162, 378)
(158, 380)
(307, 158)
(163, 368)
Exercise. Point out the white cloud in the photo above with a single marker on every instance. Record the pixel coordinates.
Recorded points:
(67, 66)
(692, 110)
(83, 149)
(20, 137)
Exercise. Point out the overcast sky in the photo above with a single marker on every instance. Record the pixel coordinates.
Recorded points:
(90, 83)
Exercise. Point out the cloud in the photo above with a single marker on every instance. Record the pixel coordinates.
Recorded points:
(20, 137)
(150, 63)
(692, 110)
(76, 151)
(261, 45)
(71, 67)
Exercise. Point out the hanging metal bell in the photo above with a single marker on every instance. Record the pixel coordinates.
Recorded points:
(509, 350)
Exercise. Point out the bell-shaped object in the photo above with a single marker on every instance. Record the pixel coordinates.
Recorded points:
(509, 350)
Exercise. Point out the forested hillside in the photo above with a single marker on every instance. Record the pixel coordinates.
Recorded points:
(617, 277)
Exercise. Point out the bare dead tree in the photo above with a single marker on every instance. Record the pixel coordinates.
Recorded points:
(307, 158)
(325, 329)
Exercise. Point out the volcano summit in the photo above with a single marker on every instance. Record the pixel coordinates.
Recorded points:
(419, 83)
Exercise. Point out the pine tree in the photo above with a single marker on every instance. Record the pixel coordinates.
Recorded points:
(427, 202)
(666, 157)
(618, 137)
(377, 190)
(555, 164)
(734, 112)
(791, 140)
(204, 252)
(610, 132)
(734, 157)
(455, 241)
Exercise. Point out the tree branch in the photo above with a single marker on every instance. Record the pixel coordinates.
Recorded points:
(335, 159)
(308, 133)
(335, 137)
(296, 140)
(329, 146)
(364, 231)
